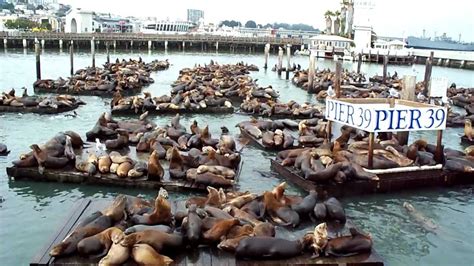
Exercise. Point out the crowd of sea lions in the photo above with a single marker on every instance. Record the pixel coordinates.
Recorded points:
(323, 79)
(150, 233)
(58, 103)
(127, 76)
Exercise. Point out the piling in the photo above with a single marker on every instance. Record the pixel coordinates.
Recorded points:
(131, 45)
(385, 63)
(71, 55)
(337, 81)
(108, 52)
(25, 43)
(370, 158)
(42, 44)
(377, 58)
(5, 42)
(429, 66)
(312, 61)
(359, 63)
(267, 51)
(38, 60)
(166, 45)
(149, 45)
(280, 60)
(184, 45)
(408, 93)
(115, 44)
(60, 44)
(217, 46)
(93, 51)
(288, 58)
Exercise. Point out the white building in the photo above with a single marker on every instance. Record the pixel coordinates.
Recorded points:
(328, 45)
(390, 45)
(79, 21)
(166, 26)
(363, 11)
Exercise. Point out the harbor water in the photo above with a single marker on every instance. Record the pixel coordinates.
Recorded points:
(30, 212)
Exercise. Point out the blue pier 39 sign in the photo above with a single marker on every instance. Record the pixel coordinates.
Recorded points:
(377, 115)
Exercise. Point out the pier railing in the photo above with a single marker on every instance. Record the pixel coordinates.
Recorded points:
(148, 37)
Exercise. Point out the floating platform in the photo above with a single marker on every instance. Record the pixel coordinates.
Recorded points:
(465, 141)
(204, 255)
(389, 182)
(154, 111)
(259, 144)
(36, 109)
(281, 116)
(127, 92)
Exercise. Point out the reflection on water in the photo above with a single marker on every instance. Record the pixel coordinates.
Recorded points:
(32, 211)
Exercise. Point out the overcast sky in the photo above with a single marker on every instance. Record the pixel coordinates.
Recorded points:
(390, 18)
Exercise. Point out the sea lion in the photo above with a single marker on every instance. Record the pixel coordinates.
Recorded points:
(142, 227)
(113, 168)
(335, 211)
(155, 170)
(468, 132)
(268, 248)
(242, 200)
(426, 223)
(217, 213)
(193, 225)
(217, 169)
(144, 254)
(238, 231)
(319, 239)
(69, 244)
(219, 230)
(354, 244)
(117, 254)
(264, 229)
(3, 150)
(46, 161)
(176, 167)
(277, 210)
(158, 240)
(307, 205)
(320, 212)
(255, 207)
(211, 179)
(68, 149)
(116, 210)
(279, 190)
(241, 215)
(123, 168)
(76, 139)
(231, 244)
(104, 164)
(161, 213)
(99, 243)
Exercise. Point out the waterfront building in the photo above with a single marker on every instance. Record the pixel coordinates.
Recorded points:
(195, 16)
(83, 21)
(165, 26)
(330, 45)
(363, 10)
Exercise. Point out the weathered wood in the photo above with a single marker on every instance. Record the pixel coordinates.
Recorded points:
(408, 94)
(389, 182)
(280, 61)
(71, 56)
(337, 80)
(93, 51)
(371, 151)
(439, 147)
(359, 63)
(311, 70)
(154, 111)
(288, 57)
(36, 109)
(267, 51)
(385, 64)
(428, 69)
(38, 60)
(108, 52)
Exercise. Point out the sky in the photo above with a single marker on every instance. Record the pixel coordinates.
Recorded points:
(399, 18)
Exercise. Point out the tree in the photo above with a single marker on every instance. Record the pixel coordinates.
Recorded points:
(20, 23)
(251, 24)
(231, 23)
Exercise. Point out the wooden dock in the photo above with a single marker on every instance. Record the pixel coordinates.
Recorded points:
(391, 182)
(36, 109)
(127, 92)
(259, 144)
(154, 111)
(204, 255)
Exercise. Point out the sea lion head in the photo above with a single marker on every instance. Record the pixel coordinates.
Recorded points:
(163, 193)
(222, 196)
(59, 249)
(279, 190)
(408, 206)
(35, 148)
(225, 130)
(117, 236)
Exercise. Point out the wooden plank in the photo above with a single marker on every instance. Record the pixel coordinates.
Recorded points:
(127, 92)
(42, 256)
(154, 111)
(36, 109)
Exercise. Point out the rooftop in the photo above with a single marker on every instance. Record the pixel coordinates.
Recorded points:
(323, 37)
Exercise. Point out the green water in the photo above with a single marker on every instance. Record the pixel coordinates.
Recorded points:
(32, 211)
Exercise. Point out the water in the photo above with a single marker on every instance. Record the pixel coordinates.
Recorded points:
(32, 211)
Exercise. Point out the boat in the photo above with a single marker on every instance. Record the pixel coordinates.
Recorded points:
(439, 43)
(304, 52)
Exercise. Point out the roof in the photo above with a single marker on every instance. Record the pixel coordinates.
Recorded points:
(323, 37)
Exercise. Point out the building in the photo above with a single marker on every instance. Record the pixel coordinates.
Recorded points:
(329, 45)
(389, 45)
(82, 21)
(195, 15)
(363, 10)
(166, 27)
(79, 21)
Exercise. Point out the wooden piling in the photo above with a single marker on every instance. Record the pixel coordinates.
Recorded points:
(408, 93)
(428, 68)
(71, 55)
(337, 80)
(377, 58)
(38, 60)
(312, 61)
(267, 51)
(385, 63)
(370, 162)
(93, 51)
(359, 63)
(280, 60)
(108, 52)
(288, 57)
(439, 147)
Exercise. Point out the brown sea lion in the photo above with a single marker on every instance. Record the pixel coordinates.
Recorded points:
(104, 164)
(264, 229)
(268, 248)
(161, 213)
(211, 179)
(193, 225)
(158, 240)
(242, 200)
(123, 168)
(230, 244)
(217, 213)
(99, 243)
(176, 167)
(155, 170)
(238, 231)
(354, 244)
(118, 254)
(92, 227)
(279, 190)
(46, 161)
(116, 210)
(219, 231)
(277, 210)
(120, 142)
(144, 254)
(217, 169)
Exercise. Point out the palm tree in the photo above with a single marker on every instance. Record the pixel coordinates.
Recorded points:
(328, 16)
(337, 22)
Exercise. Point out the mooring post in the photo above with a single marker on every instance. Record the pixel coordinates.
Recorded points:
(359, 63)
(149, 45)
(312, 61)
(166, 45)
(337, 81)
(370, 162)
(288, 58)
(71, 55)
(5, 42)
(378, 54)
(115, 44)
(42, 44)
(408, 93)
(428, 68)
(108, 52)
(267, 51)
(184, 45)
(217, 47)
(439, 147)
(131, 45)
(93, 51)
(280, 60)
(38, 59)
(60, 44)
(385, 62)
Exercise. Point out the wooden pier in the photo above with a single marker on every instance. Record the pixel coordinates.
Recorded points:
(389, 182)
(203, 255)
(100, 93)
(36, 109)
(171, 111)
